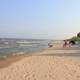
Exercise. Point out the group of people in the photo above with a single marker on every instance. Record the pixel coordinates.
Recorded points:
(65, 44)
(68, 43)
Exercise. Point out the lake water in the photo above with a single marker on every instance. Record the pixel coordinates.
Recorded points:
(9, 46)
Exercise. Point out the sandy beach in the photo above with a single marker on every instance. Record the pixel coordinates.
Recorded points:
(49, 64)
(39, 39)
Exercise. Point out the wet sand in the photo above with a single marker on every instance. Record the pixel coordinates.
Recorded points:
(49, 64)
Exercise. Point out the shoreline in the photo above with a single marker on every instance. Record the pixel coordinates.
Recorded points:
(6, 61)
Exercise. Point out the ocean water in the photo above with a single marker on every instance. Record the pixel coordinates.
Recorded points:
(11, 46)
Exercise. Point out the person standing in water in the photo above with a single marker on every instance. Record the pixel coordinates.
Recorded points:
(50, 45)
(65, 44)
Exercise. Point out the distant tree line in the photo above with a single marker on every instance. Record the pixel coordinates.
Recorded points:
(78, 35)
(76, 38)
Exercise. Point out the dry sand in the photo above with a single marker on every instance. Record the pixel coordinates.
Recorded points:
(43, 66)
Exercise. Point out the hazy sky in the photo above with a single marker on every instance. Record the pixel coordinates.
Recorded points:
(56, 19)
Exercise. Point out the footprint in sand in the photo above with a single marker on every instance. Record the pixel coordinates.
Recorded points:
(79, 66)
(49, 76)
(78, 76)
(30, 77)
(34, 77)
(26, 75)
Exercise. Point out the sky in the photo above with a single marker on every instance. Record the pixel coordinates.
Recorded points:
(40, 19)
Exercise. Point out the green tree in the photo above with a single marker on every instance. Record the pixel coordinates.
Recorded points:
(78, 35)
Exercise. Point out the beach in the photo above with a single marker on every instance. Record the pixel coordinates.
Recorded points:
(48, 64)
(39, 40)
